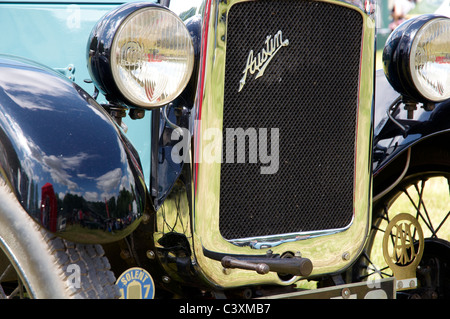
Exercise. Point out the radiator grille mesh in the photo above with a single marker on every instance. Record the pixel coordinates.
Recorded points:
(309, 92)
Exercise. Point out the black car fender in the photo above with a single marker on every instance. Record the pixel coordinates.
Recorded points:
(63, 157)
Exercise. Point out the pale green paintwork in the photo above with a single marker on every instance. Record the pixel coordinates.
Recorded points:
(56, 35)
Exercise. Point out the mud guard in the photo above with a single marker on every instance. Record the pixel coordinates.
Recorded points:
(64, 158)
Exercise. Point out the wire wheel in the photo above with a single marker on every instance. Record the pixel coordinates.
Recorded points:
(425, 198)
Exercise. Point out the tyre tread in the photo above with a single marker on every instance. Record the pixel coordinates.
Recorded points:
(97, 281)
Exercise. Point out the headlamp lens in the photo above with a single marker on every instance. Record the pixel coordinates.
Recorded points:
(430, 60)
(152, 57)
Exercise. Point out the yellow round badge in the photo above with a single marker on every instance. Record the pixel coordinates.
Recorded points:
(136, 283)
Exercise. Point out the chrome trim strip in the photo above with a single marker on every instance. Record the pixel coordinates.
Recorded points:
(275, 240)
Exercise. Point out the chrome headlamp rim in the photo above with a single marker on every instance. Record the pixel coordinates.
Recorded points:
(100, 52)
(397, 55)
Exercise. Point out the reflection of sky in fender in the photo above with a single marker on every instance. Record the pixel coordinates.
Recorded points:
(70, 153)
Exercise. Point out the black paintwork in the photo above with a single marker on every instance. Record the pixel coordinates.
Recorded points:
(64, 158)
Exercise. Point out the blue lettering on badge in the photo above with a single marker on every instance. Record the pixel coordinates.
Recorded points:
(136, 283)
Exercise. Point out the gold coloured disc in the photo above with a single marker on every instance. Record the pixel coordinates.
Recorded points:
(403, 245)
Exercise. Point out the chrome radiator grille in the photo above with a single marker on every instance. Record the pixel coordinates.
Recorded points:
(309, 92)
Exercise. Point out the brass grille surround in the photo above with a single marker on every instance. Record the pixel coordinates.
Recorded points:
(309, 92)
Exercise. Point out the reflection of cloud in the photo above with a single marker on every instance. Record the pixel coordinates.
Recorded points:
(58, 167)
(91, 196)
(63, 169)
(33, 89)
(29, 102)
(123, 154)
(101, 114)
(59, 175)
(84, 176)
(30, 89)
(76, 160)
(109, 181)
(108, 184)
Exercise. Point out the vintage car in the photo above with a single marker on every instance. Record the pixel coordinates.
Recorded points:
(222, 149)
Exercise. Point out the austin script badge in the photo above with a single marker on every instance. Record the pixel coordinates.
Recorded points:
(263, 58)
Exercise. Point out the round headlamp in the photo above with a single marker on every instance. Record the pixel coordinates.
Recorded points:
(141, 54)
(416, 58)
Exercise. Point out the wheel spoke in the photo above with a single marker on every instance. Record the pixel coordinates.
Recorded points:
(405, 191)
(386, 214)
(421, 202)
(378, 229)
(372, 269)
(7, 270)
(375, 271)
(2, 292)
(18, 291)
(14, 293)
(442, 222)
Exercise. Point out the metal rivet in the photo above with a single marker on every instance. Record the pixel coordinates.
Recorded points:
(226, 271)
(150, 254)
(346, 256)
(166, 279)
(345, 293)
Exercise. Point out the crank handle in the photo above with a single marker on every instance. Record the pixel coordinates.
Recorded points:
(230, 262)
